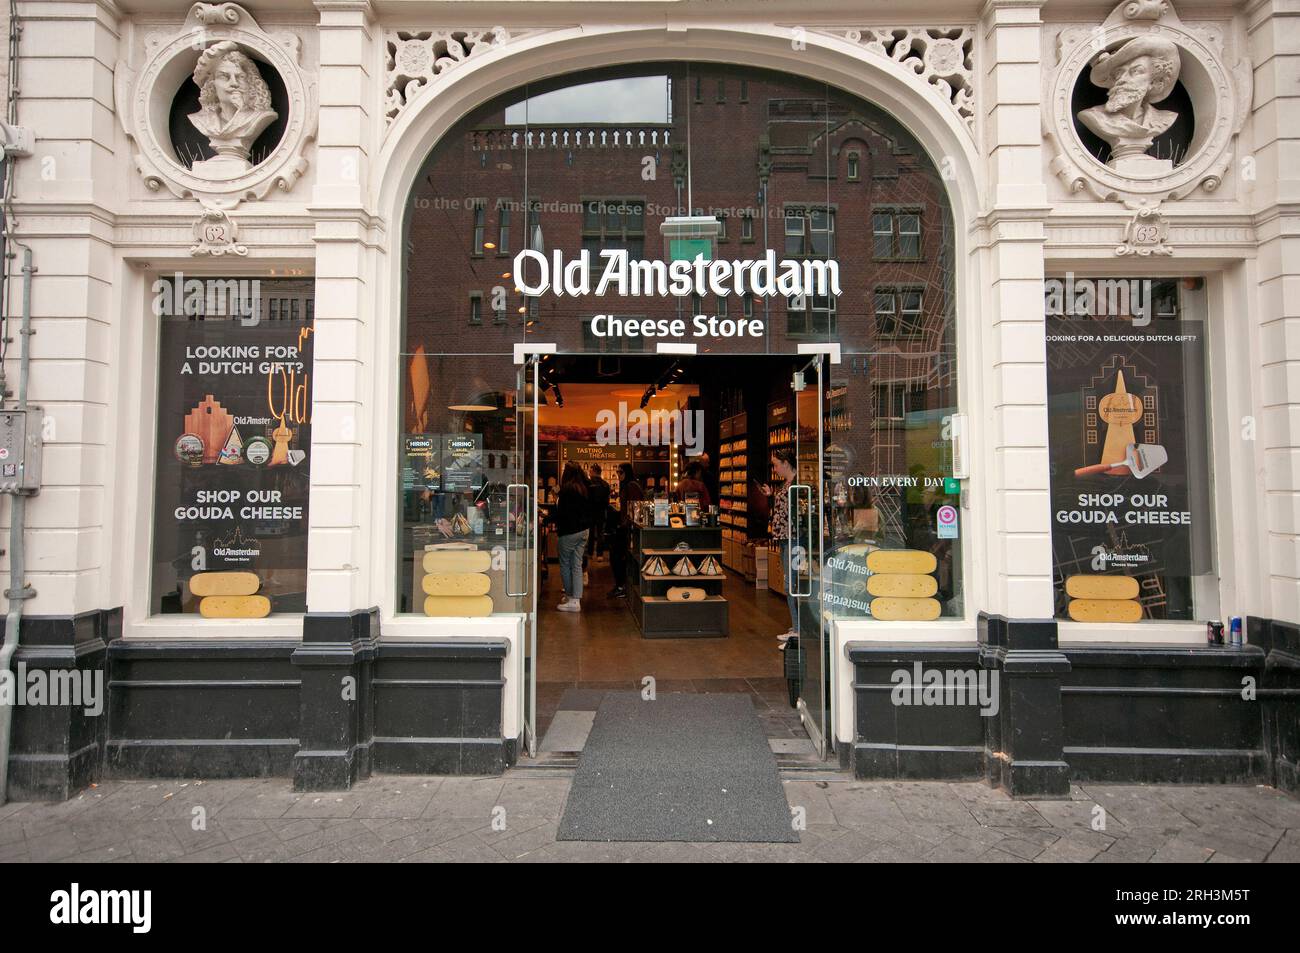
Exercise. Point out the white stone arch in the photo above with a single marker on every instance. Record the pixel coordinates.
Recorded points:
(482, 77)
(840, 62)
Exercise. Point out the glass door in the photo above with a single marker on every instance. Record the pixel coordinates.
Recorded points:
(807, 531)
(521, 544)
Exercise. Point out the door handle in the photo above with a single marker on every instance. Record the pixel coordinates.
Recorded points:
(513, 491)
(792, 493)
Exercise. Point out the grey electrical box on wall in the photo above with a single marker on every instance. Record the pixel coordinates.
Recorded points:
(20, 450)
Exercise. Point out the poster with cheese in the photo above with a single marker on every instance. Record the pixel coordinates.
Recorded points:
(1129, 455)
(234, 441)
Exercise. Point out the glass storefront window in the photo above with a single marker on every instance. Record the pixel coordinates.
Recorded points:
(1132, 526)
(601, 161)
(234, 439)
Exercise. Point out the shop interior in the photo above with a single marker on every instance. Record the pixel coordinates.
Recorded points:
(699, 607)
(703, 600)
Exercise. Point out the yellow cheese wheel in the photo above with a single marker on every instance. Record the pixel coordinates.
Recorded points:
(1105, 610)
(457, 560)
(456, 584)
(457, 605)
(901, 561)
(224, 583)
(907, 585)
(898, 609)
(1101, 587)
(234, 607)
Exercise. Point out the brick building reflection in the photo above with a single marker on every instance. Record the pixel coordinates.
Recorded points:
(785, 164)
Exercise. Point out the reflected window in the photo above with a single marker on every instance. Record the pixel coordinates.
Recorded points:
(896, 234)
(809, 232)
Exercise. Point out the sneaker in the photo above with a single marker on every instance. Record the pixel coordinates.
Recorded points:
(573, 605)
(618, 592)
(786, 636)
(564, 598)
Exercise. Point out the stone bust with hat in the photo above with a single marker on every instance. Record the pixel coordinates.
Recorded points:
(1141, 72)
(236, 108)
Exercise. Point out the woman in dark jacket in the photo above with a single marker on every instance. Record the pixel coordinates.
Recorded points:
(572, 520)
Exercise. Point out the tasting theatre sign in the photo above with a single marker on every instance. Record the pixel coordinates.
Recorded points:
(625, 277)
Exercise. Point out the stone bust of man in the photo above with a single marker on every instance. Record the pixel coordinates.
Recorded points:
(236, 108)
(1141, 72)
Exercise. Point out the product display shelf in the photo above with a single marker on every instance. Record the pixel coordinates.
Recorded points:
(657, 616)
(733, 484)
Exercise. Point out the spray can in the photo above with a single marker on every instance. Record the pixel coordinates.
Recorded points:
(1234, 631)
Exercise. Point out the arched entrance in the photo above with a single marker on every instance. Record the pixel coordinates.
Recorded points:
(665, 162)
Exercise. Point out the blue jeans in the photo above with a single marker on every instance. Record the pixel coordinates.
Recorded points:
(571, 549)
(790, 584)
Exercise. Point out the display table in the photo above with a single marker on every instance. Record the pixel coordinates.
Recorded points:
(659, 617)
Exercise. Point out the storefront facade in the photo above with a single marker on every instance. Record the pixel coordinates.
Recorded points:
(1061, 348)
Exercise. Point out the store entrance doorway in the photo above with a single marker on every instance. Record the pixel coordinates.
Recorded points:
(676, 536)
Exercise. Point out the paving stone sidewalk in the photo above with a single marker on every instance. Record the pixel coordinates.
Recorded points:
(514, 818)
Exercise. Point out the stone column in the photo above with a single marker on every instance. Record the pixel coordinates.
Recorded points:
(1018, 633)
(63, 195)
(1274, 606)
(340, 627)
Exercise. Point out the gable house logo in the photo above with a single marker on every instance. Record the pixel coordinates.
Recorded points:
(75, 907)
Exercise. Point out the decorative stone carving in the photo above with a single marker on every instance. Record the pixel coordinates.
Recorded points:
(1146, 234)
(216, 234)
(236, 108)
(944, 57)
(1141, 49)
(417, 60)
(1137, 75)
(207, 43)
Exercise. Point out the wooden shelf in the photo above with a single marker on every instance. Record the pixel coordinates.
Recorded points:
(681, 552)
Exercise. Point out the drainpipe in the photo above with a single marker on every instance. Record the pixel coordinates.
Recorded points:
(18, 591)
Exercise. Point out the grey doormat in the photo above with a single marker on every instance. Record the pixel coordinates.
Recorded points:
(685, 767)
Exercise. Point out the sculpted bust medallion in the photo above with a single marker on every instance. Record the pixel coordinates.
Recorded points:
(236, 108)
(1141, 72)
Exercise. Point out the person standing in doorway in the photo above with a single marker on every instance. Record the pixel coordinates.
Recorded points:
(784, 468)
(694, 484)
(572, 521)
(599, 511)
(630, 492)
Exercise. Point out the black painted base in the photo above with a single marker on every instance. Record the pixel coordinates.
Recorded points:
(56, 750)
(1086, 712)
(342, 703)
(324, 711)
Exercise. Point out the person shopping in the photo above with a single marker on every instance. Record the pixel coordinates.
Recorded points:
(629, 492)
(694, 484)
(599, 500)
(572, 517)
(783, 471)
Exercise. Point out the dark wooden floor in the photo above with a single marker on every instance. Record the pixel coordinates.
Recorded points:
(602, 643)
(601, 649)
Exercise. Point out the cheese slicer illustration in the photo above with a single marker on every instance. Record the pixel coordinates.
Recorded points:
(1141, 460)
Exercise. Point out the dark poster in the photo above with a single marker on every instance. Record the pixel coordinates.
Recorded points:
(234, 433)
(1129, 463)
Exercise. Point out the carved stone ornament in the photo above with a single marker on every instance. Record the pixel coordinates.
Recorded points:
(942, 56)
(1146, 234)
(1137, 55)
(211, 34)
(216, 234)
(416, 60)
